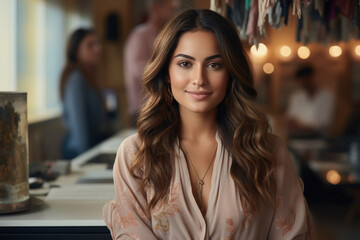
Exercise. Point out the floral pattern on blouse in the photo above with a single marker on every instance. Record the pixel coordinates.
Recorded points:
(279, 202)
(128, 200)
(128, 220)
(230, 228)
(286, 223)
(162, 212)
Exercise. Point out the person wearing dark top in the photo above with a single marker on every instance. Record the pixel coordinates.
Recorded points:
(83, 107)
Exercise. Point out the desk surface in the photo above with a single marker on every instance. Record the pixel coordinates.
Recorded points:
(64, 213)
(73, 212)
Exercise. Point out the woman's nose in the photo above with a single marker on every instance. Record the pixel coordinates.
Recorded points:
(199, 77)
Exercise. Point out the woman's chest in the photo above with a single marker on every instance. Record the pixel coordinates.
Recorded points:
(179, 218)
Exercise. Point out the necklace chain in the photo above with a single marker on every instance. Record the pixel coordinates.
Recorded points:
(200, 182)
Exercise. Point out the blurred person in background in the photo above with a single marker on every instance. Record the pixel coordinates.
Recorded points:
(138, 50)
(311, 108)
(83, 106)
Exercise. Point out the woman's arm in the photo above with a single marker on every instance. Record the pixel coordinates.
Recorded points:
(292, 218)
(127, 216)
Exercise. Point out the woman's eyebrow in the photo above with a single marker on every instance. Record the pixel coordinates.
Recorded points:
(192, 58)
(184, 56)
(213, 57)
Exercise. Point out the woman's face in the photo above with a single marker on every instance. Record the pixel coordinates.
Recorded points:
(89, 51)
(197, 73)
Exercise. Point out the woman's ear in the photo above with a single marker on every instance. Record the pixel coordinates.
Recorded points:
(167, 78)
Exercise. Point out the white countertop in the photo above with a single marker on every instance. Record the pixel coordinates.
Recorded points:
(73, 205)
(110, 145)
(64, 213)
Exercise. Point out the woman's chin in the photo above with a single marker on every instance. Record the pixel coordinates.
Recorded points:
(198, 108)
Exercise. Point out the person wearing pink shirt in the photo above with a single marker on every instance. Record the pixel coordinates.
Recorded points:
(138, 49)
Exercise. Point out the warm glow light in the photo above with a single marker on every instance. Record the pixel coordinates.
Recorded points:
(333, 177)
(268, 68)
(303, 52)
(260, 52)
(357, 50)
(285, 51)
(335, 51)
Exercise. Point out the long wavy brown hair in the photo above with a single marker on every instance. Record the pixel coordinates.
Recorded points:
(242, 127)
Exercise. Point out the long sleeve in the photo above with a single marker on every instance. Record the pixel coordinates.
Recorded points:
(126, 216)
(75, 107)
(292, 218)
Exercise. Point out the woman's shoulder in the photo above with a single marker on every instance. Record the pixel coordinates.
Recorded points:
(131, 141)
(129, 147)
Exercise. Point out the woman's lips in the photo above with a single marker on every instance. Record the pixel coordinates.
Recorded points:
(199, 95)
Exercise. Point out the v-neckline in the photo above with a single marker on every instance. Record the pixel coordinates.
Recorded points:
(186, 168)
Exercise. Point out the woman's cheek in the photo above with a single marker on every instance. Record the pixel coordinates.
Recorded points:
(179, 79)
(220, 80)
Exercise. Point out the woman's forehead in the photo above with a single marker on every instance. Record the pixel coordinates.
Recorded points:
(198, 43)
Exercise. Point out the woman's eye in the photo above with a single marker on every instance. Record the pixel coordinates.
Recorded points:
(214, 65)
(184, 64)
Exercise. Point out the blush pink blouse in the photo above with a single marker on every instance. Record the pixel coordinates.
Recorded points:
(179, 217)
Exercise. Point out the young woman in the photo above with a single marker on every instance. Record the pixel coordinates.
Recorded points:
(203, 164)
(83, 106)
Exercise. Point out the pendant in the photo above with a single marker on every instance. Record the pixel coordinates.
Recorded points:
(200, 186)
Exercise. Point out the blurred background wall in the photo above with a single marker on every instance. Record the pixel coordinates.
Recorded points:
(32, 56)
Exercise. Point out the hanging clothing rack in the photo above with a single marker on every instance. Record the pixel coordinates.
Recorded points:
(320, 21)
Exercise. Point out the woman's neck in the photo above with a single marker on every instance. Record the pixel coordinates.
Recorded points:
(197, 126)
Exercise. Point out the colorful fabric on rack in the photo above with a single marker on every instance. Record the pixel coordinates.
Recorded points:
(345, 29)
(335, 21)
(305, 33)
(243, 27)
(264, 7)
(298, 29)
(319, 20)
(297, 8)
(285, 10)
(345, 7)
(274, 15)
(230, 3)
(251, 30)
(356, 16)
(215, 5)
(319, 6)
(239, 12)
(247, 5)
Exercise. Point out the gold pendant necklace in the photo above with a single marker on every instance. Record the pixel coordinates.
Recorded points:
(200, 182)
